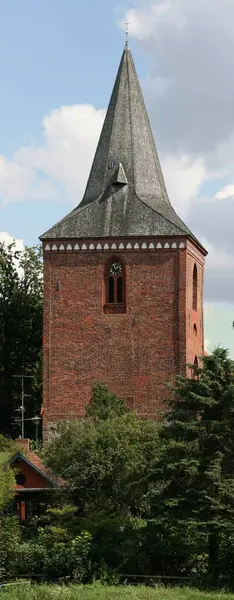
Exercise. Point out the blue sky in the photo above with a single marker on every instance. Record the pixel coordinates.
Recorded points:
(58, 61)
(52, 53)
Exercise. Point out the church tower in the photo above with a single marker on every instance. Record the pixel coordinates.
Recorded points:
(123, 275)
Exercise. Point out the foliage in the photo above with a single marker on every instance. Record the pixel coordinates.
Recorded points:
(63, 555)
(107, 458)
(105, 405)
(7, 481)
(9, 540)
(197, 461)
(8, 446)
(20, 331)
(142, 499)
(97, 591)
(53, 552)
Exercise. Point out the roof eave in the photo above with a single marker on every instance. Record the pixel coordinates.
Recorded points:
(197, 244)
(20, 456)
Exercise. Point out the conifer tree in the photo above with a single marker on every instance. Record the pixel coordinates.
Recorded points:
(197, 462)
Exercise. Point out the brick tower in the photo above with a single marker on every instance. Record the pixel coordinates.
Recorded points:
(123, 275)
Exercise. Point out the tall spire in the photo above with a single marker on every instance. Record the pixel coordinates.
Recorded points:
(126, 137)
(125, 194)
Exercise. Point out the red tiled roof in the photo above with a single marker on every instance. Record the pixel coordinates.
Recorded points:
(37, 462)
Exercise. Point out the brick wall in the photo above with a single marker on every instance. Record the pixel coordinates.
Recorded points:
(135, 353)
(194, 318)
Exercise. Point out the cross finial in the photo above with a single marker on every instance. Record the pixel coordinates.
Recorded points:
(126, 31)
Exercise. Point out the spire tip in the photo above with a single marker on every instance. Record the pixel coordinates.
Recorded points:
(126, 32)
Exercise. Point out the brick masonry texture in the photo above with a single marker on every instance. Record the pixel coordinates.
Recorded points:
(136, 353)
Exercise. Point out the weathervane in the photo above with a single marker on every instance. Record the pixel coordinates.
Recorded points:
(126, 30)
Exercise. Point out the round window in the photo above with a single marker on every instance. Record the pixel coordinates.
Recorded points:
(20, 479)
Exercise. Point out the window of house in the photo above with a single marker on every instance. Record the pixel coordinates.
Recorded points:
(115, 289)
(195, 287)
(20, 478)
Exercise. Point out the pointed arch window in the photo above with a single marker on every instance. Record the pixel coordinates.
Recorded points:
(195, 287)
(195, 369)
(115, 287)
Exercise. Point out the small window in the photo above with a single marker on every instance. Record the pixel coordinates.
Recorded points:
(195, 330)
(115, 283)
(20, 478)
(195, 287)
(195, 369)
(119, 289)
(111, 290)
(115, 288)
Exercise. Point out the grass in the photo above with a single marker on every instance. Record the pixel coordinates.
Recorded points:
(98, 592)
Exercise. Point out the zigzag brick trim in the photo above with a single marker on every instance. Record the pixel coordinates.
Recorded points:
(109, 247)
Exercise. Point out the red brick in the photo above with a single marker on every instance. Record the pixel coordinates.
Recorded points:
(135, 353)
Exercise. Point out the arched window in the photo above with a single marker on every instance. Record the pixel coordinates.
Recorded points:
(115, 284)
(195, 369)
(195, 287)
(195, 330)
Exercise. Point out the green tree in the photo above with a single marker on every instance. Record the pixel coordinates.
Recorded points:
(197, 461)
(7, 480)
(106, 458)
(20, 331)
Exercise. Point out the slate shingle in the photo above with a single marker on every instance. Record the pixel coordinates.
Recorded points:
(125, 194)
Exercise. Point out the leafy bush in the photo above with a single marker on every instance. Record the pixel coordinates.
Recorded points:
(9, 540)
(54, 554)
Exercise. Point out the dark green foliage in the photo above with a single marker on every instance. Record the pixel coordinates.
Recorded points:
(7, 479)
(106, 459)
(20, 333)
(54, 554)
(197, 462)
(9, 540)
(145, 500)
(105, 405)
(8, 446)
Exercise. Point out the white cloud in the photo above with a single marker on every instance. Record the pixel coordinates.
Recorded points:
(15, 181)
(7, 239)
(70, 137)
(217, 257)
(207, 345)
(59, 168)
(226, 192)
(145, 23)
(190, 45)
(183, 176)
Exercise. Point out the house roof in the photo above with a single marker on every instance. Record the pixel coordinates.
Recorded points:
(126, 193)
(34, 461)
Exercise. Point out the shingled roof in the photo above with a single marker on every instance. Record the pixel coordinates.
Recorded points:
(125, 194)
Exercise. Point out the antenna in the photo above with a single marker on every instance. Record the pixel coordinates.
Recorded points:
(23, 396)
